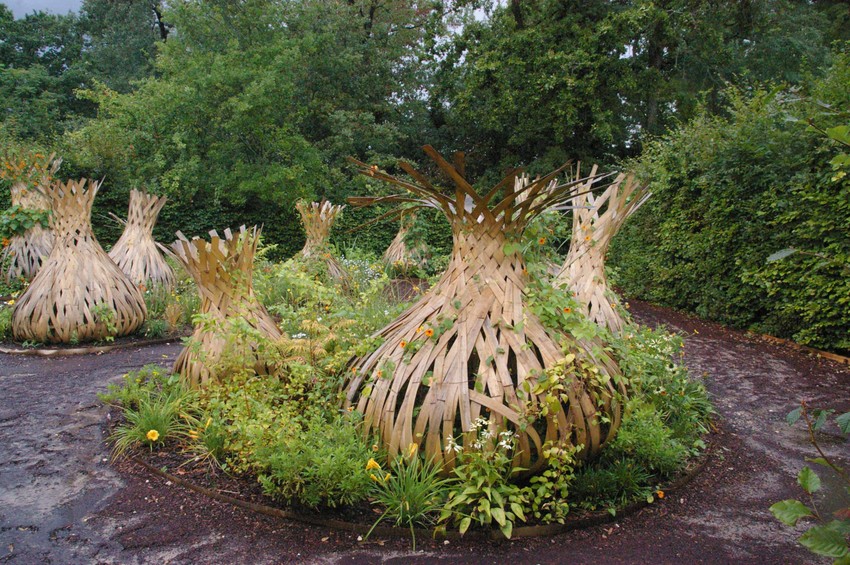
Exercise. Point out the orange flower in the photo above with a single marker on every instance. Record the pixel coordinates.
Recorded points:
(403, 344)
(660, 494)
(541, 241)
(567, 310)
(429, 332)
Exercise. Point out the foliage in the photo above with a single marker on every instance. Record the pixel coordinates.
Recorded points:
(728, 193)
(547, 492)
(829, 538)
(321, 466)
(484, 491)
(411, 491)
(16, 220)
(5, 322)
(155, 408)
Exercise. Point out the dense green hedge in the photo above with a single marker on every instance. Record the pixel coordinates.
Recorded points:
(729, 192)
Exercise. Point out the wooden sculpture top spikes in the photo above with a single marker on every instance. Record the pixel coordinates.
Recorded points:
(596, 220)
(136, 252)
(469, 348)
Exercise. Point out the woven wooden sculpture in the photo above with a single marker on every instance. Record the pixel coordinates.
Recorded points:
(135, 252)
(26, 251)
(596, 220)
(469, 346)
(223, 271)
(79, 294)
(318, 219)
(399, 254)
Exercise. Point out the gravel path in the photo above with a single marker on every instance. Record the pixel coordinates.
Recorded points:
(62, 502)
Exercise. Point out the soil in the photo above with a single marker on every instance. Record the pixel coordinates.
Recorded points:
(61, 501)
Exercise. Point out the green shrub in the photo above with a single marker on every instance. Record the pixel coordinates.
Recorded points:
(322, 465)
(646, 441)
(5, 322)
(547, 492)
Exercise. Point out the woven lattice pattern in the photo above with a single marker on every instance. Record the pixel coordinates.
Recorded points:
(135, 252)
(596, 220)
(26, 251)
(399, 254)
(468, 347)
(223, 271)
(79, 294)
(318, 218)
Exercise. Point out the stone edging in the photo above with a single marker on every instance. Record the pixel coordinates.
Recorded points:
(585, 521)
(38, 352)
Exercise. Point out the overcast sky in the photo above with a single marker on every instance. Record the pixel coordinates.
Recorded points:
(22, 7)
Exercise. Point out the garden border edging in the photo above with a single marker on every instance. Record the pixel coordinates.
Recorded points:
(97, 349)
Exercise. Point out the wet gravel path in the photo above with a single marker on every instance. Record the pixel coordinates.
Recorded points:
(61, 501)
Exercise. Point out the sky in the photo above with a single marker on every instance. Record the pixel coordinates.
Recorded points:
(22, 7)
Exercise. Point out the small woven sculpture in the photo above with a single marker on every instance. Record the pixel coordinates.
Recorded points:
(79, 294)
(223, 271)
(135, 252)
(470, 348)
(596, 220)
(401, 256)
(27, 250)
(318, 219)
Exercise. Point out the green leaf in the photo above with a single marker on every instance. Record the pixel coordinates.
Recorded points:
(809, 480)
(781, 254)
(789, 511)
(464, 525)
(508, 529)
(499, 515)
(794, 415)
(843, 422)
(825, 541)
(517, 509)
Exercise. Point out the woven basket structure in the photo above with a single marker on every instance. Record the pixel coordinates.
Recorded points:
(26, 251)
(77, 279)
(318, 218)
(596, 220)
(135, 252)
(469, 346)
(399, 254)
(223, 271)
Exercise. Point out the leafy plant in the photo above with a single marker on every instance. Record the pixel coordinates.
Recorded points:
(483, 492)
(411, 491)
(154, 410)
(547, 492)
(322, 465)
(830, 538)
(104, 315)
(16, 219)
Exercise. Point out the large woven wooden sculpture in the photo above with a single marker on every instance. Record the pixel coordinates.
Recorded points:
(223, 271)
(318, 218)
(596, 220)
(79, 294)
(135, 252)
(470, 348)
(26, 251)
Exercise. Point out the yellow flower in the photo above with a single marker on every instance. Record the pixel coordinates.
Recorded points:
(419, 330)
(11, 302)
(387, 477)
(416, 289)
(373, 477)
(411, 450)
(372, 464)
(152, 435)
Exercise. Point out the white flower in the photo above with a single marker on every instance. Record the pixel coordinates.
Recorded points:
(505, 445)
